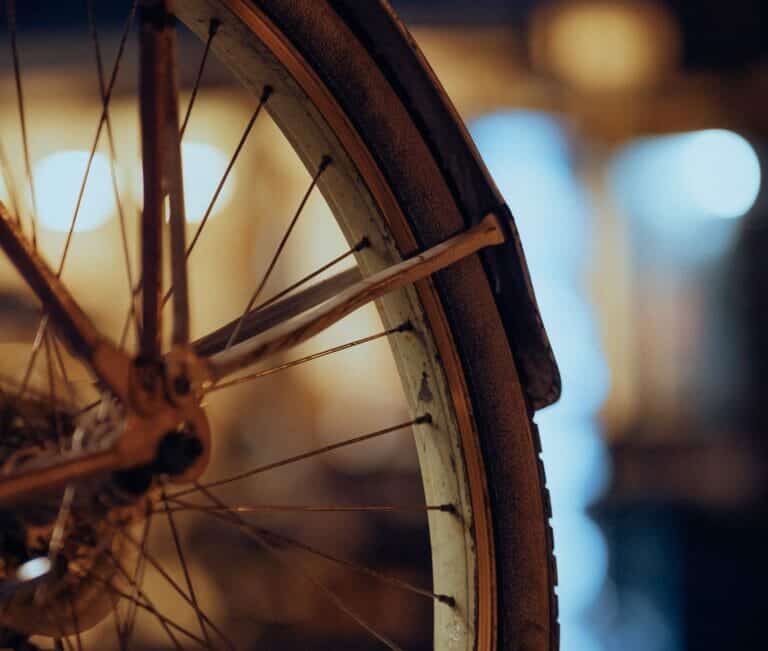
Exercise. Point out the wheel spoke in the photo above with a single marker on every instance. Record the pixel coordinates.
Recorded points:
(63, 369)
(10, 185)
(213, 28)
(233, 338)
(121, 640)
(306, 455)
(72, 323)
(260, 320)
(298, 508)
(362, 244)
(96, 138)
(36, 345)
(10, 6)
(93, 29)
(225, 513)
(489, 232)
(185, 570)
(179, 590)
(138, 576)
(222, 182)
(52, 391)
(214, 199)
(308, 358)
(115, 69)
(144, 603)
(297, 568)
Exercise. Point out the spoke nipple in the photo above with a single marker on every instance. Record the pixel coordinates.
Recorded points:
(406, 326)
(176, 452)
(445, 599)
(421, 420)
(266, 93)
(363, 244)
(449, 508)
(324, 164)
(213, 27)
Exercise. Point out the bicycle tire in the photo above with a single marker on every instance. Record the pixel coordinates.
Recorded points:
(372, 68)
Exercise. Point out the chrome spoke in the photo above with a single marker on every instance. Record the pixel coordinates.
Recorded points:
(233, 338)
(138, 577)
(308, 358)
(10, 186)
(43, 325)
(301, 457)
(306, 508)
(10, 7)
(233, 159)
(52, 390)
(185, 570)
(112, 152)
(144, 603)
(96, 139)
(214, 199)
(296, 568)
(225, 513)
(260, 320)
(213, 28)
(362, 244)
(116, 620)
(177, 588)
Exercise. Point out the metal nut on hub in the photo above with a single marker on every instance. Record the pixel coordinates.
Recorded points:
(177, 452)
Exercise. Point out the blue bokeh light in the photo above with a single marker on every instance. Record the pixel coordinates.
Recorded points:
(529, 156)
(686, 177)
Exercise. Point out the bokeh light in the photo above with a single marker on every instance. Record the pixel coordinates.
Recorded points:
(528, 155)
(34, 569)
(602, 45)
(720, 172)
(58, 178)
(688, 176)
(204, 166)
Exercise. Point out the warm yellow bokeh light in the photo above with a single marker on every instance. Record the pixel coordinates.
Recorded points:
(58, 179)
(204, 166)
(601, 45)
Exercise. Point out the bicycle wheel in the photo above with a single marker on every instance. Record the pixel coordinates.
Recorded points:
(350, 92)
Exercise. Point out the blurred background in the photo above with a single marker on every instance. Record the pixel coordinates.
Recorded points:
(629, 138)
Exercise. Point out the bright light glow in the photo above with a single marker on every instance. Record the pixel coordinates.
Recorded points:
(528, 155)
(576, 461)
(582, 562)
(670, 180)
(720, 172)
(34, 569)
(58, 178)
(605, 44)
(203, 168)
